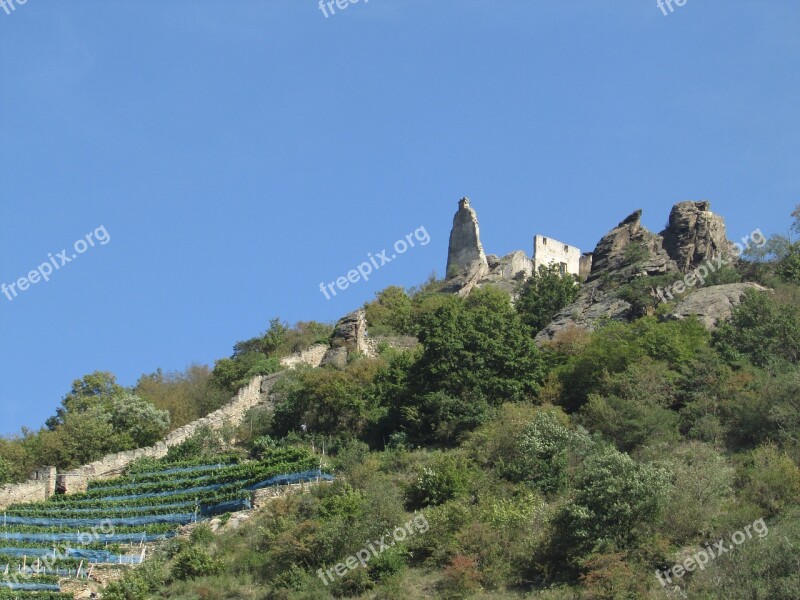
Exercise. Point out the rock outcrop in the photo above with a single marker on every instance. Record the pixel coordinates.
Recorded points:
(349, 337)
(468, 267)
(714, 304)
(465, 251)
(630, 250)
(694, 235)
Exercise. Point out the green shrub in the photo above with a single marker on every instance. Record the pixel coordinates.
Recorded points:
(194, 562)
(614, 498)
(543, 294)
(446, 479)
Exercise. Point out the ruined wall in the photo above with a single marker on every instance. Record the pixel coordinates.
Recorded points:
(41, 486)
(311, 356)
(262, 497)
(547, 251)
(112, 465)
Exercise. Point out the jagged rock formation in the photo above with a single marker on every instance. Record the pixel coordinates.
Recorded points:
(469, 267)
(694, 235)
(630, 250)
(715, 303)
(349, 336)
(465, 249)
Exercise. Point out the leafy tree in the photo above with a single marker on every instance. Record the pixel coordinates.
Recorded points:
(613, 348)
(543, 294)
(328, 401)
(614, 499)
(136, 422)
(230, 374)
(701, 492)
(773, 479)
(281, 339)
(788, 267)
(391, 313)
(96, 389)
(187, 395)
(477, 347)
(82, 438)
(761, 330)
(6, 471)
(542, 452)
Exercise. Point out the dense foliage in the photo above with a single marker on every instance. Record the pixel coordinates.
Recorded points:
(574, 470)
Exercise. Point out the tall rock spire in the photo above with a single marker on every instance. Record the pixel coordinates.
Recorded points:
(465, 251)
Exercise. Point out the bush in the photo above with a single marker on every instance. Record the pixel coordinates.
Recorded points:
(614, 498)
(543, 294)
(447, 478)
(542, 453)
(773, 480)
(194, 562)
(205, 442)
(761, 331)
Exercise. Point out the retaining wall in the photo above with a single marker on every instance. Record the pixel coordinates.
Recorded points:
(43, 483)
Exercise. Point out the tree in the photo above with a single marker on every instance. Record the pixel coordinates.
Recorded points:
(391, 313)
(136, 422)
(477, 347)
(95, 389)
(5, 471)
(542, 452)
(614, 498)
(543, 294)
(761, 330)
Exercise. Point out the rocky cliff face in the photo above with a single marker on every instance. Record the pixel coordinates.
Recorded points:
(694, 235)
(465, 251)
(631, 250)
(349, 337)
(469, 267)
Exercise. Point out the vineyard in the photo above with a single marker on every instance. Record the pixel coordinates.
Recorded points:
(65, 537)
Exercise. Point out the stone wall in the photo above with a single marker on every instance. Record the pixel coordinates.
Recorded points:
(264, 496)
(310, 356)
(74, 482)
(41, 486)
(547, 251)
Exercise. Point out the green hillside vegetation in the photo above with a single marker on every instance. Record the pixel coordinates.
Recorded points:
(572, 471)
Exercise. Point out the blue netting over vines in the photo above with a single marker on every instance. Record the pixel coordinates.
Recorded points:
(68, 526)
(92, 556)
(293, 478)
(80, 538)
(31, 587)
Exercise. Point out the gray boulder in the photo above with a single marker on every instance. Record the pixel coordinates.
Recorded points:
(715, 303)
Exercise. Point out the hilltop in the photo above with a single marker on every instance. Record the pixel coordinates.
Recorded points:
(559, 424)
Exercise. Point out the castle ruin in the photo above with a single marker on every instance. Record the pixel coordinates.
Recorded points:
(468, 266)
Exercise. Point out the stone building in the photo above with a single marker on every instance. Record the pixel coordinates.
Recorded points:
(547, 251)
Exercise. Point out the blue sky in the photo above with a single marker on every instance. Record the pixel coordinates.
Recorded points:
(239, 153)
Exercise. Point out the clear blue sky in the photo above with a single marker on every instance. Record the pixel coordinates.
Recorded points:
(238, 153)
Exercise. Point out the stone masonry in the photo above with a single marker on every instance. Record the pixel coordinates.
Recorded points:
(44, 482)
